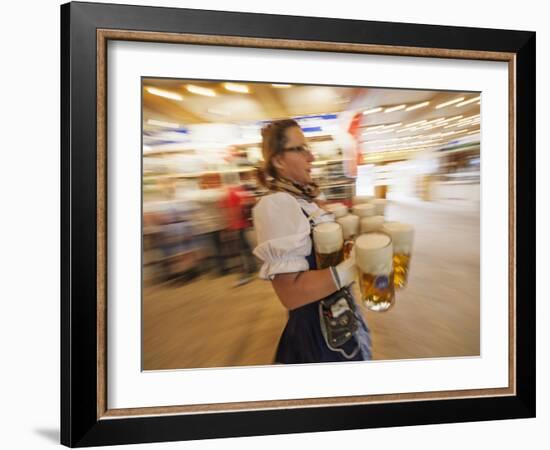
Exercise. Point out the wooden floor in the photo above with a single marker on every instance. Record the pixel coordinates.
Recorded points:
(208, 322)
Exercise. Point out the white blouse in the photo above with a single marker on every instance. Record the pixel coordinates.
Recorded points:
(283, 230)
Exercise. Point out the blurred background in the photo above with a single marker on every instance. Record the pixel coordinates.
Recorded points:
(203, 304)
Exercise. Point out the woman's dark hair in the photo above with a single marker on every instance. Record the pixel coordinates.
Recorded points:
(273, 142)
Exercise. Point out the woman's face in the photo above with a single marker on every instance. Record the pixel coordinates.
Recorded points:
(295, 164)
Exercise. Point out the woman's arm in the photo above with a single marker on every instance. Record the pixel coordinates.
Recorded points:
(283, 244)
(300, 288)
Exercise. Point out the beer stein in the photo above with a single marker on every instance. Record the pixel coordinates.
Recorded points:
(364, 210)
(328, 243)
(350, 228)
(358, 199)
(338, 209)
(372, 223)
(380, 205)
(402, 239)
(373, 255)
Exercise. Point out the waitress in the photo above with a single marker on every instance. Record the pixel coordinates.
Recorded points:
(324, 323)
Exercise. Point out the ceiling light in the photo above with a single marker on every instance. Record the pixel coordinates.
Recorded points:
(450, 119)
(160, 123)
(384, 131)
(163, 93)
(200, 90)
(281, 86)
(395, 108)
(475, 116)
(433, 121)
(375, 128)
(424, 127)
(415, 123)
(465, 124)
(372, 111)
(392, 126)
(419, 105)
(467, 102)
(437, 125)
(450, 102)
(234, 87)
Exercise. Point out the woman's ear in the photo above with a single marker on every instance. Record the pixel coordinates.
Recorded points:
(277, 162)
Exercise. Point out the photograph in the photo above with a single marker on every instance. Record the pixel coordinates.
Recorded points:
(275, 225)
(288, 223)
(278, 224)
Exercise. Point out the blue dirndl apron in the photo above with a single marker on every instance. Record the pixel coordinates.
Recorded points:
(303, 340)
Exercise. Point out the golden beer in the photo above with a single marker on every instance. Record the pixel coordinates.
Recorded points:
(402, 238)
(350, 229)
(328, 242)
(373, 253)
(364, 210)
(372, 223)
(400, 269)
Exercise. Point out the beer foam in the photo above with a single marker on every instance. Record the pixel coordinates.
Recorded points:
(372, 223)
(401, 235)
(328, 237)
(374, 254)
(364, 210)
(338, 209)
(350, 225)
(380, 205)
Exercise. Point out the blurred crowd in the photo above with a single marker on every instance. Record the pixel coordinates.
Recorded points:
(209, 231)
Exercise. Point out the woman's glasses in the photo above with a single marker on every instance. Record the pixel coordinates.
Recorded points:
(303, 149)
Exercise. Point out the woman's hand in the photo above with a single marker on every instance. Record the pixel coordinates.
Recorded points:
(345, 272)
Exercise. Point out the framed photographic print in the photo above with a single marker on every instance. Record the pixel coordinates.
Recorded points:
(279, 224)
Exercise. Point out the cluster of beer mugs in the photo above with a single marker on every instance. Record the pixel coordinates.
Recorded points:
(382, 248)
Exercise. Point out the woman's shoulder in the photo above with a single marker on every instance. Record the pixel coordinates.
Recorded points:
(278, 201)
(279, 214)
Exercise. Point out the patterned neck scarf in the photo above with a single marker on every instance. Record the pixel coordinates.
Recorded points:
(307, 191)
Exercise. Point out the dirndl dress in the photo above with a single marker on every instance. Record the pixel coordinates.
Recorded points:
(303, 340)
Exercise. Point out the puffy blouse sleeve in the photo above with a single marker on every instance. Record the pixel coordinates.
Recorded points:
(283, 232)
